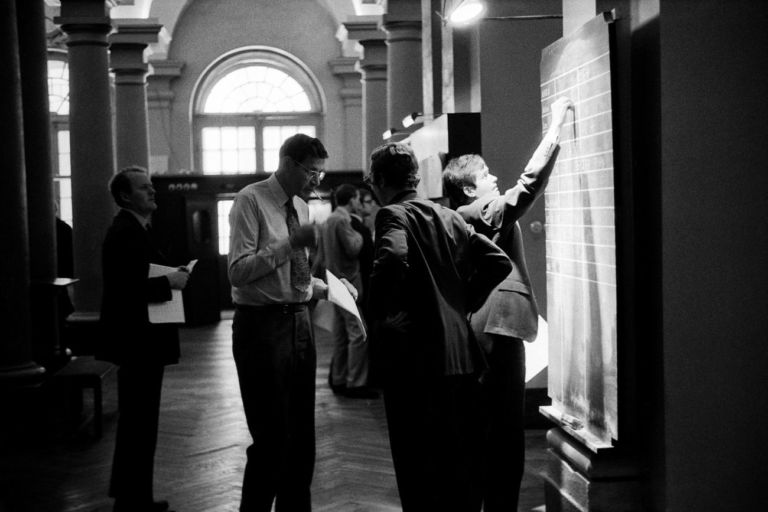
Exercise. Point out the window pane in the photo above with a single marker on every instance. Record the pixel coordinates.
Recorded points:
(256, 88)
(211, 162)
(247, 160)
(58, 87)
(223, 207)
(229, 161)
(65, 164)
(229, 137)
(229, 149)
(274, 136)
(271, 160)
(63, 188)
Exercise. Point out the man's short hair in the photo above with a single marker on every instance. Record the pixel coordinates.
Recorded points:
(345, 193)
(459, 173)
(299, 147)
(393, 164)
(121, 183)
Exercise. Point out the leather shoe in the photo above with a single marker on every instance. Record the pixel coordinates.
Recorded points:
(131, 506)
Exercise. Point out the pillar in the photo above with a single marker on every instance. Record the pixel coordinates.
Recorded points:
(432, 58)
(16, 366)
(127, 45)
(159, 99)
(373, 71)
(351, 97)
(402, 24)
(86, 23)
(39, 182)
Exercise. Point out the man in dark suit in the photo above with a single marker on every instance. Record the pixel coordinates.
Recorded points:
(140, 348)
(510, 314)
(430, 270)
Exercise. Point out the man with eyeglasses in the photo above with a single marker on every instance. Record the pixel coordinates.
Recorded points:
(272, 336)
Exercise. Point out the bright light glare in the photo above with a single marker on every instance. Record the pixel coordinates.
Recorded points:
(466, 12)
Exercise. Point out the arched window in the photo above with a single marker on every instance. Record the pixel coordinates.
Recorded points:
(246, 104)
(58, 106)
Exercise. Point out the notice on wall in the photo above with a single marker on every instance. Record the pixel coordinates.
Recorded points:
(581, 238)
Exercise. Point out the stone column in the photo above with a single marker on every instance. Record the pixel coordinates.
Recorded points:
(351, 97)
(432, 58)
(40, 197)
(373, 69)
(402, 24)
(86, 23)
(16, 366)
(159, 99)
(127, 45)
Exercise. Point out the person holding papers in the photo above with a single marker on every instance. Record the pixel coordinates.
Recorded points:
(140, 348)
(272, 338)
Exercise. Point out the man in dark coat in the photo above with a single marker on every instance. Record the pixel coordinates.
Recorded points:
(510, 314)
(140, 348)
(430, 270)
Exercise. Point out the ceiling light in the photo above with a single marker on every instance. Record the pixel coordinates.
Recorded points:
(466, 12)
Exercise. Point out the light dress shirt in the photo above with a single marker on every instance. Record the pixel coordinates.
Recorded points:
(259, 247)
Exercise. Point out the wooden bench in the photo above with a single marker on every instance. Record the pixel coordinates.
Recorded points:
(86, 372)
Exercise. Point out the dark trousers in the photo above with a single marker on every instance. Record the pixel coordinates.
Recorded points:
(435, 429)
(138, 396)
(504, 402)
(276, 363)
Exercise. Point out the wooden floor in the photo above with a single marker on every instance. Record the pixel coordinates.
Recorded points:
(202, 442)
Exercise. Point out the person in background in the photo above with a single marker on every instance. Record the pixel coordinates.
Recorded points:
(272, 339)
(140, 348)
(430, 270)
(368, 209)
(65, 267)
(510, 314)
(339, 253)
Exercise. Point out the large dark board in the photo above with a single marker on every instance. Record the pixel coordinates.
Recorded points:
(581, 238)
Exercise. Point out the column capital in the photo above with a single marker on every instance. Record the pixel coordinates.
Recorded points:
(84, 21)
(138, 31)
(342, 66)
(162, 73)
(127, 45)
(166, 69)
(364, 28)
(374, 55)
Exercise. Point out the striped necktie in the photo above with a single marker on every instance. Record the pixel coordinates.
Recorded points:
(299, 263)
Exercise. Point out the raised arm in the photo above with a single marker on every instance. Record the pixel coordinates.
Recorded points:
(516, 201)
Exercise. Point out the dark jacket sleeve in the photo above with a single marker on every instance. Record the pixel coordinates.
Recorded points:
(491, 266)
(390, 265)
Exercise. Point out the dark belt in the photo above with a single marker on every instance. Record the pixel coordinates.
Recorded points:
(280, 309)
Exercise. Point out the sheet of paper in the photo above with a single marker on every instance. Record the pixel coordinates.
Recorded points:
(172, 311)
(339, 295)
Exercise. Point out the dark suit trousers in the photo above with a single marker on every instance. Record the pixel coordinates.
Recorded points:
(435, 436)
(276, 363)
(138, 395)
(504, 401)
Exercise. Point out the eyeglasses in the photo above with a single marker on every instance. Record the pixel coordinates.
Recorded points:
(314, 174)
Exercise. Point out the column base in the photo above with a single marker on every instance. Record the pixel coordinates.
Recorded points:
(578, 480)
